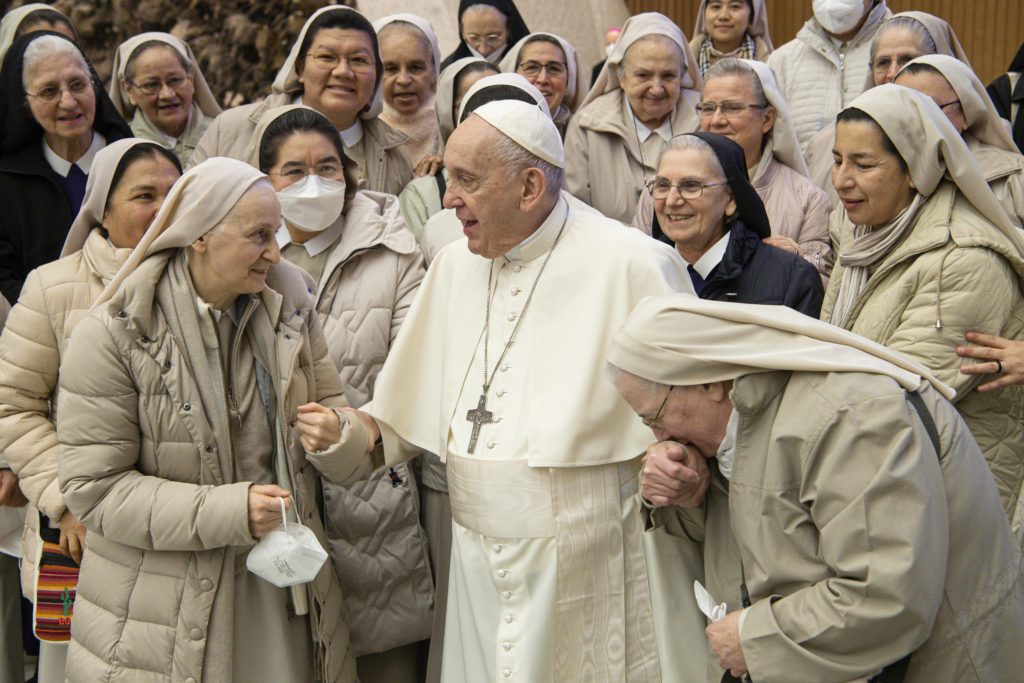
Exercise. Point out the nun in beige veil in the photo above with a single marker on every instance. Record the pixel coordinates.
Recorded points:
(126, 187)
(614, 140)
(158, 87)
(899, 39)
(917, 232)
(754, 39)
(199, 388)
(562, 81)
(309, 76)
(794, 424)
(797, 210)
(957, 90)
(411, 60)
(34, 16)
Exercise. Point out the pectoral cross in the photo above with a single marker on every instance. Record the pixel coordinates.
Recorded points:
(479, 416)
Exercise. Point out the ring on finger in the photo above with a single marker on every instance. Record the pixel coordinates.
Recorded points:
(999, 367)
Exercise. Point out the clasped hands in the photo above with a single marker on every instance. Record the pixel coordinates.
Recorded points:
(320, 427)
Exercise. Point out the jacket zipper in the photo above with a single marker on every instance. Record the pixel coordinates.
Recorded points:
(233, 361)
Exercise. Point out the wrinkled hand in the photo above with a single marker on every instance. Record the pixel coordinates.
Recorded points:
(10, 493)
(785, 243)
(319, 427)
(264, 508)
(674, 475)
(992, 348)
(72, 536)
(724, 639)
(427, 166)
(371, 427)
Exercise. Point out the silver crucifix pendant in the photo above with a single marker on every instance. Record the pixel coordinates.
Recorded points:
(479, 416)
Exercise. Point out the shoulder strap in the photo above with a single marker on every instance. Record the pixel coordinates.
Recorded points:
(926, 419)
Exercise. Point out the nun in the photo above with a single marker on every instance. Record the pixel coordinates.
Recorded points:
(487, 28)
(550, 63)
(736, 29)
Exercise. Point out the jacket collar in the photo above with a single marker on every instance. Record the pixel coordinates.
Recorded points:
(994, 162)
(752, 393)
(742, 243)
(605, 115)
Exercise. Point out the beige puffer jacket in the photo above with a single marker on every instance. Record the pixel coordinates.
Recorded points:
(55, 298)
(604, 166)
(376, 542)
(231, 135)
(817, 79)
(141, 468)
(953, 274)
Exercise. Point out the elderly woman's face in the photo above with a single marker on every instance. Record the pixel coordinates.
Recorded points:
(61, 98)
(162, 88)
(745, 126)
(871, 182)
(544, 65)
(462, 86)
(135, 200)
(338, 74)
(485, 29)
(693, 224)
(935, 86)
(727, 20)
(651, 75)
(235, 257)
(894, 48)
(409, 80)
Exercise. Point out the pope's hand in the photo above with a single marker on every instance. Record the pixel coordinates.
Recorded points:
(674, 475)
(724, 639)
(265, 508)
(319, 427)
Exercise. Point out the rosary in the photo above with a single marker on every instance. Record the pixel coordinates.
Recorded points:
(480, 416)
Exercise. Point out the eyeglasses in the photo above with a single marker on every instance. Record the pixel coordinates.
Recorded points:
(358, 63)
(490, 40)
(729, 109)
(883, 64)
(660, 188)
(650, 422)
(155, 85)
(532, 69)
(328, 169)
(51, 93)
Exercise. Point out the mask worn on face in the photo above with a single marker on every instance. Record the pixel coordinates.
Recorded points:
(838, 16)
(492, 58)
(313, 203)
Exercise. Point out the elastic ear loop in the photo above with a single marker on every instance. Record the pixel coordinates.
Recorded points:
(284, 518)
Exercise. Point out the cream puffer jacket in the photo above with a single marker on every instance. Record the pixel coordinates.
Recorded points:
(55, 298)
(953, 274)
(817, 78)
(140, 466)
(376, 541)
(230, 135)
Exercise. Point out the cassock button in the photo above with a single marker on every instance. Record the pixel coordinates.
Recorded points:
(491, 444)
(509, 618)
(502, 573)
(507, 673)
(515, 291)
(506, 594)
(517, 268)
(507, 645)
(500, 392)
(496, 547)
(505, 367)
(511, 317)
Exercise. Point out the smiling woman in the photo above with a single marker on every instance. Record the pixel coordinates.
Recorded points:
(730, 28)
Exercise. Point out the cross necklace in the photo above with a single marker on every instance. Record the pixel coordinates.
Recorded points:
(480, 416)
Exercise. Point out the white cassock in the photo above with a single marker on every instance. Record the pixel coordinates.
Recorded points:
(548, 578)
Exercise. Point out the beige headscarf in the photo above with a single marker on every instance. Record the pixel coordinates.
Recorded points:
(425, 28)
(758, 23)
(514, 80)
(983, 121)
(637, 27)
(576, 87)
(11, 22)
(97, 190)
(196, 204)
(946, 42)
(287, 79)
(784, 145)
(203, 98)
(682, 340)
(446, 94)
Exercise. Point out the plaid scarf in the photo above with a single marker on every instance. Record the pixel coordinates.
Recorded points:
(709, 55)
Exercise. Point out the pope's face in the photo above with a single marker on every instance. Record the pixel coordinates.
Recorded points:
(485, 196)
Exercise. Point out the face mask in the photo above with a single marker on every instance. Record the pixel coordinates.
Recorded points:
(838, 16)
(313, 203)
(288, 555)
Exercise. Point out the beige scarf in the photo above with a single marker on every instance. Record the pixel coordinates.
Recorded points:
(870, 245)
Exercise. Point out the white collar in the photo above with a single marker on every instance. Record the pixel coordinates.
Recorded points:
(664, 131)
(62, 166)
(543, 237)
(314, 245)
(712, 257)
(727, 450)
(353, 134)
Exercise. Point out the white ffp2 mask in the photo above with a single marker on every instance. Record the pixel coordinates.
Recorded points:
(288, 555)
(838, 16)
(313, 203)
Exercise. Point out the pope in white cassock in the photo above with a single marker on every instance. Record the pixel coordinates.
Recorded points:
(499, 368)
